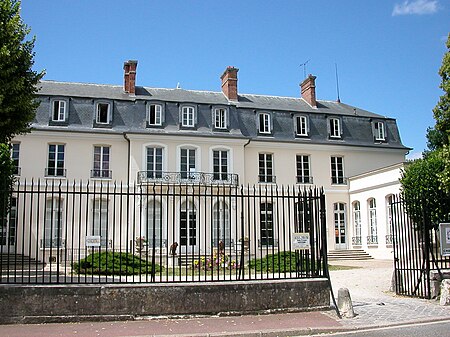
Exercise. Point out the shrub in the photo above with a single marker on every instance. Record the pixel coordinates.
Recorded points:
(276, 263)
(114, 263)
(217, 261)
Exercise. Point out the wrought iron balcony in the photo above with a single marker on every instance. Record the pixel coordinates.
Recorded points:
(262, 178)
(304, 180)
(372, 240)
(339, 181)
(389, 239)
(356, 241)
(188, 178)
(55, 172)
(101, 174)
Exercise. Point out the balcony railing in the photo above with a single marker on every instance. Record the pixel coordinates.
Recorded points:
(101, 174)
(389, 239)
(188, 178)
(304, 180)
(338, 180)
(356, 241)
(55, 172)
(372, 240)
(267, 179)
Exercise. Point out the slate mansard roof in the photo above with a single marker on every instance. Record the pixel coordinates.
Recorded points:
(129, 114)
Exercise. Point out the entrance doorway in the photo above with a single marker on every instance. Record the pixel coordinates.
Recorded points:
(188, 227)
(8, 228)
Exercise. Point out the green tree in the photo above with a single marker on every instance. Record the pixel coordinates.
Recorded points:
(18, 82)
(422, 189)
(442, 110)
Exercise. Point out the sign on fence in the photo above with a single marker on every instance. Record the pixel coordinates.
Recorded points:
(444, 234)
(300, 241)
(93, 241)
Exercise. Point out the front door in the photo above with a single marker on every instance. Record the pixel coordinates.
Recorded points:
(8, 229)
(188, 227)
(340, 226)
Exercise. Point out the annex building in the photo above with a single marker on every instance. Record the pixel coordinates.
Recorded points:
(139, 135)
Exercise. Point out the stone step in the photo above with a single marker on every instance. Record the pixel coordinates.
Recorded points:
(351, 254)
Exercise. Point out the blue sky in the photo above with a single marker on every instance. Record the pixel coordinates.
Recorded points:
(387, 52)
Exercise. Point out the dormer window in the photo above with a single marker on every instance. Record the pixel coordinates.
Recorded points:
(59, 111)
(220, 118)
(301, 126)
(103, 113)
(188, 116)
(155, 115)
(335, 128)
(264, 123)
(380, 134)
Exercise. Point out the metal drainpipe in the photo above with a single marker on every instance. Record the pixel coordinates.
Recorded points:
(128, 157)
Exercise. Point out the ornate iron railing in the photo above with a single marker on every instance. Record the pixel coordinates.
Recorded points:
(356, 241)
(372, 240)
(202, 178)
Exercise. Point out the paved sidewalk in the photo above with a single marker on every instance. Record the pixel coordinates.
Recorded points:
(368, 285)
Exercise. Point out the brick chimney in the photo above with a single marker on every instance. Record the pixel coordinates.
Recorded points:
(308, 87)
(229, 83)
(129, 78)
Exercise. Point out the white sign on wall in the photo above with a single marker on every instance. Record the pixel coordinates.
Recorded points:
(92, 240)
(300, 241)
(444, 235)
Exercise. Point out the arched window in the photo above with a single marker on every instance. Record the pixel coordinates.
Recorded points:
(221, 224)
(389, 218)
(372, 238)
(154, 231)
(356, 223)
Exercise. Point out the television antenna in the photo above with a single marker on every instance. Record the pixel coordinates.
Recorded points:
(304, 67)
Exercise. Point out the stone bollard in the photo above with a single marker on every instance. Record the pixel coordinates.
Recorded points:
(445, 292)
(345, 305)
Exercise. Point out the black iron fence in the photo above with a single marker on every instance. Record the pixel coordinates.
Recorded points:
(54, 231)
(417, 257)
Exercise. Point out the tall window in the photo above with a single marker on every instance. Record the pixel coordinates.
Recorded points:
(266, 224)
(101, 162)
(389, 214)
(59, 111)
(155, 115)
(335, 128)
(100, 223)
(188, 116)
(379, 131)
(15, 150)
(221, 224)
(357, 223)
(266, 168)
(103, 113)
(220, 165)
(340, 225)
(154, 162)
(301, 216)
(337, 171)
(188, 224)
(187, 168)
(154, 233)
(301, 126)
(220, 118)
(303, 170)
(53, 224)
(372, 239)
(264, 123)
(55, 167)
(8, 225)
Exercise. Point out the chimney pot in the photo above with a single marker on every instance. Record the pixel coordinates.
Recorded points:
(229, 83)
(129, 77)
(308, 90)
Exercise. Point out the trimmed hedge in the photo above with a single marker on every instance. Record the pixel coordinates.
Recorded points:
(276, 263)
(114, 263)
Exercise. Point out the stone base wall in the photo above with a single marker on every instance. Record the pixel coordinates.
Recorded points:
(53, 303)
